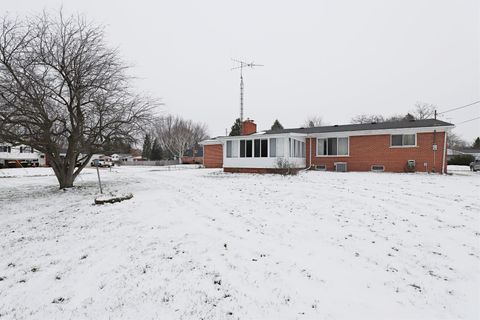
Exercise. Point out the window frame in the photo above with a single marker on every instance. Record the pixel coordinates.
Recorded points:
(326, 147)
(403, 140)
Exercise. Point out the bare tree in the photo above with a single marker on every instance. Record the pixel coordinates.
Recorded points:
(367, 118)
(454, 141)
(177, 135)
(313, 121)
(424, 111)
(62, 90)
(376, 118)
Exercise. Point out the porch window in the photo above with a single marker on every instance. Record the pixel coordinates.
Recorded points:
(264, 148)
(229, 149)
(249, 145)
(403, 140)
(276, 147)
(332, 147)
(297, 148)
(242, 148)
(232, 148)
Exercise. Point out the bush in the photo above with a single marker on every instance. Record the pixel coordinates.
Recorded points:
(286, 167)
(462, 159)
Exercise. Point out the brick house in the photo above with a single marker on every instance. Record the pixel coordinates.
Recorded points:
(400, 146)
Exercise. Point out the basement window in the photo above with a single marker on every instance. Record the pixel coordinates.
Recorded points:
(378, 168)
(403, 140)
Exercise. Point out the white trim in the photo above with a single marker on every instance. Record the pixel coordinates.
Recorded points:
(264, 136)
(210, 142)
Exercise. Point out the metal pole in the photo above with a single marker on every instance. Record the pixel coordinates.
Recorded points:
(99, 181)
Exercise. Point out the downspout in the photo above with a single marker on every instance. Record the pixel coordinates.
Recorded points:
(444, 151)
(310, 157)
(434, 151)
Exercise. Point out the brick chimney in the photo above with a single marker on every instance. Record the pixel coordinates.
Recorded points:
(248, 127)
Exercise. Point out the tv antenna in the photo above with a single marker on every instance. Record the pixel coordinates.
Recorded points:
(240, 65)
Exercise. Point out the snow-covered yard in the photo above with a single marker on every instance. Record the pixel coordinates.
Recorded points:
(201, 244)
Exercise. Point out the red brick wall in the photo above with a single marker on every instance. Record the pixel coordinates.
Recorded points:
(213, 156)
(366, 151)
(256, 170)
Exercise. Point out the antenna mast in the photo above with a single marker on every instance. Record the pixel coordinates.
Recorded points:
(241, 65)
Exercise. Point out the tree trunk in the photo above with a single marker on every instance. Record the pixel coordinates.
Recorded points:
(62, 172)
(65, 180)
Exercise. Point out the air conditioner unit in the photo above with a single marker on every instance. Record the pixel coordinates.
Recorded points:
(341, 166)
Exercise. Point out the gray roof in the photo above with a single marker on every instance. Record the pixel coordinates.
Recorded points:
(367, 126)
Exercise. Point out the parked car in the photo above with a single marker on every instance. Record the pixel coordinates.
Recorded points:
(475, 165)
(101, 163)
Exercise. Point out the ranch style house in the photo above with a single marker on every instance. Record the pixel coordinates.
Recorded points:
(397, 146)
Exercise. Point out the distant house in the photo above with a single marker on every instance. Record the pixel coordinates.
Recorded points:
(20, 156)
(417, 145)
(193, 156)
(461, 151)
(121, 157)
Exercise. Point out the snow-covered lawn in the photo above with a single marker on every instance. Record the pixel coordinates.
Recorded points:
(201, 244)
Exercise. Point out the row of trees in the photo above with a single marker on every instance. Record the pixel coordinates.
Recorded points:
(421, 111)
(172, 136)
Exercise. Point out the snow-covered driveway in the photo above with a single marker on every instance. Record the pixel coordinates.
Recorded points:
(201, 244)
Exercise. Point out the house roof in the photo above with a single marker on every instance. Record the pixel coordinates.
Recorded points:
(367, 126)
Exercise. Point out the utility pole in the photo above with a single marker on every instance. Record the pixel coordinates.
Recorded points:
(241, 65)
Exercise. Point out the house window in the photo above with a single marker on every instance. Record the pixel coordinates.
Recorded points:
(249, 145)
(277, 147)
(403, 140)
(232, 148)
(242, 148)
(5, 149)
(256, 148)
(273, 147)
(264, 148)
(332, 147)
(245, 148)
(229, 149)
(297, 148)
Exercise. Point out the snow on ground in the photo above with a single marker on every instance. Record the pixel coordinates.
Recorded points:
(202, 244)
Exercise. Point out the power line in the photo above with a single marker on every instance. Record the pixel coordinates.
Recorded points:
(457, 108)
(467, 121)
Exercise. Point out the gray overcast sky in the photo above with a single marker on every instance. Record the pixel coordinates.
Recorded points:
(334, 59)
